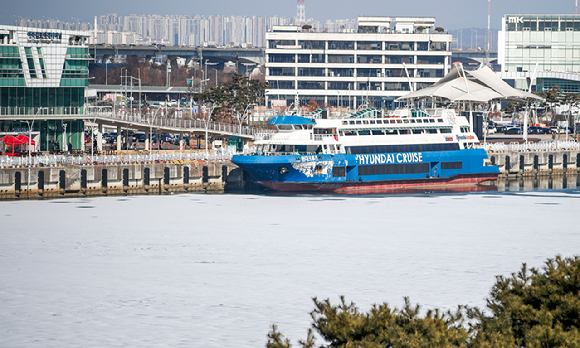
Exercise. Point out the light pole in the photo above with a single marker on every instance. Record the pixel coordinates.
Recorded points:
(150, 121)
(212, 64)
(139, 69)
(212, 108)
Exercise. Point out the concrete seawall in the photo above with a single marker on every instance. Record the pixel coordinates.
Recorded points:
(117, 179)
(536, 163)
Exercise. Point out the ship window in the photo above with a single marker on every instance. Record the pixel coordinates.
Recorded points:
(413, 121)
(417, 131)
(338, 171)
(372, 121)
(297, 127)
(318, 170)
(398, 121)
(405, 121)
(365, 122)
(445, 130)
(431, 120)
(419, 121)
(348, 133)
(358, 122)
(407, 168)
(377, 132)
(392, 121)
(391, 132)
(379, 121)
(355, 150)
(440, 120)
(432, 131)
(284, 127)
(452, 165)
(364, 132)
(404, 131)
(351, 122)
(344, 122)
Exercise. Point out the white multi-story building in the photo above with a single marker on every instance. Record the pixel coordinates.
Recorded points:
(381, 61)
(544, 47)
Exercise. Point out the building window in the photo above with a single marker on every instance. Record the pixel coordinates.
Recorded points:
(369, 45)
(341, 59)
(318, 58)
(310, 85)
(303, 58)
(281, 43)
(341, 45)
(369, 59)
(430, 60)
(399, 46)
(341, 85)
(368, 72)
(281, 58)
(282, 72)
(340, 72)
(310, 71)
(275, 84)
(311, 45)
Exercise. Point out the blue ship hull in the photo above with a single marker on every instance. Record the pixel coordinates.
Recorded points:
(342, 172)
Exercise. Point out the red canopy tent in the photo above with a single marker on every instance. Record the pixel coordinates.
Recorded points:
(25, 139)
(13, 141)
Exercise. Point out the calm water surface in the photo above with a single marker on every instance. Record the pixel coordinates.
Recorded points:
(218, 270)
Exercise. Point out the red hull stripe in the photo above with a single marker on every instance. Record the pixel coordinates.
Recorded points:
(453, 184)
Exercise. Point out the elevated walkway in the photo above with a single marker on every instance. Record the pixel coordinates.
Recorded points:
(141, 123)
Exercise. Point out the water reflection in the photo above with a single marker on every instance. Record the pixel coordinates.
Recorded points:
(539, 183)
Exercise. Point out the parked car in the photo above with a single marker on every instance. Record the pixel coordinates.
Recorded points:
(534, 130)
(500, 129)
(514, 130)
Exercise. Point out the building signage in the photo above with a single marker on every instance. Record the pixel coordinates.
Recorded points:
(515, 20)
(410, 157)
(39, 37)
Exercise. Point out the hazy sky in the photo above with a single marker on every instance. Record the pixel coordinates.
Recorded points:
(450, 14)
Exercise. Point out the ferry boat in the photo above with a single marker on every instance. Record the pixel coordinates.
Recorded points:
(411, 148)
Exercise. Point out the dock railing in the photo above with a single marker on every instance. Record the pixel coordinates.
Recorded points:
(52, 160)
(531, 146)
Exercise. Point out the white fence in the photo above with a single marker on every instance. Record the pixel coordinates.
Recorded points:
(47, 160)
(532, 146)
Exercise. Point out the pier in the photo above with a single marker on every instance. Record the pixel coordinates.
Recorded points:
(121, 178)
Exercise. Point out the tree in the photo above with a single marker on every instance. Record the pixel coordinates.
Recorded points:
(234, 96)
(420, 29)
(306, 27)
(343, 326)
(439, 29)
(532, 308)
(553, 99)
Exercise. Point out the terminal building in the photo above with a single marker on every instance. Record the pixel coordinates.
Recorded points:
(384, 59)
(43, 76)
(541, 47)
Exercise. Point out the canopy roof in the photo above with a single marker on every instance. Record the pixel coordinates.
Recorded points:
(481, 85)
(18, 140)
(292, 120)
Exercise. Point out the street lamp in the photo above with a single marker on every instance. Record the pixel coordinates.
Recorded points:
(150, 121)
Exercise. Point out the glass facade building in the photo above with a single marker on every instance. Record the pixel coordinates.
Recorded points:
(542, 44)
(43, 76)
(378, 63)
